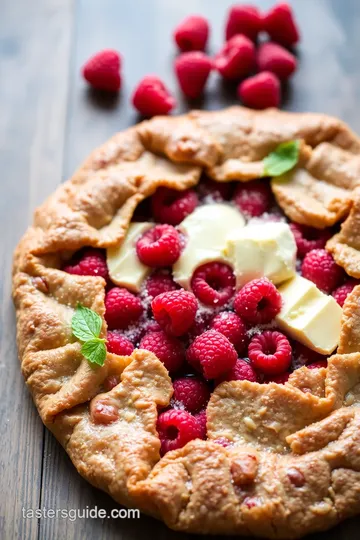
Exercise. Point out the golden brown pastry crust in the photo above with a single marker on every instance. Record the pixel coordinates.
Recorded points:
(294, 465)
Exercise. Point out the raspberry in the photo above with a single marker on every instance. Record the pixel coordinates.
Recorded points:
(201, 420)
(169, 350)
(212, 353)
(236, 59)
(88, 262)
(303, 355)
(176, 428)
(175, 311)
(192, 33)
(102, 71)
(273, 57)
(317, 365)
(216, 191)
(159, 246)
(110, 382)
(278, 379)
(192, 392)
(341, 293)
(213, 283)
(160, 282)
(200, 325)
(280, 25)
(319, 267)
(122, 308)
(243, 19)
(192, 70)
(253, 199)
(260, 91)
(308, 238)
(258, 302)
(270, 352)
(118, 344)
(172, 206)
(242, 371)
(151, 97)
(232, 327)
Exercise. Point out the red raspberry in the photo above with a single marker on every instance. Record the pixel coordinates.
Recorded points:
(236, 59)
(216, 191)
(253, 198)
(270, 352)
(273, 57)
(341, 293)
(201, 420)
(118, 344)
(243, 19)
(151, 97)
(317, 365)
(175, 311)
(192, 392)
(242, 371)
(169, 350)
(176, 428)
(88, 262)
(172, 206)
(308, 238)
(192, 33)
(159, 246)
(160, 282)
(102, 71)
(260, 91)
(232, 327)
(192, 70)
(213, 283)
(122, 308)
(280, 25)
(278, 379)
(213, 353)
(319, 267)
(258, 302)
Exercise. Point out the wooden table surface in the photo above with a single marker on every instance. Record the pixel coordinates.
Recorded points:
(49, 122)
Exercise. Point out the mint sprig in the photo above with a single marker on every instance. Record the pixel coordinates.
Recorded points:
(282, 159)
(86, 326)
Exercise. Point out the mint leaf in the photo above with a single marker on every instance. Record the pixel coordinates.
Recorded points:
(283, 159)
(86, 324)
(94, 350)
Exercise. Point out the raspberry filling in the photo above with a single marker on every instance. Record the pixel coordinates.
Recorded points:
(270, 352)
(213, 283)
(171, 207)
(159, 247)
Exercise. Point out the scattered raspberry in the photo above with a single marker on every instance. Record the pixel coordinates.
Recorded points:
(258, 302)
(201, 420)
(192, 70)
(280, 25)
(176, 428)
(118, 344)
(122, 308)
(273, 57)
(308, 238)
(151, 97)
(236, 59)
(110, 382)
(216, 191)
(192, 392)
(270, 352)
(243, 19)
(260, 91)
(88, 262)
(212, 353)
(253, 199)
(169, 350)
(213, 283)
(242, 371)
(317, 365)
(319, 267)
(278, 379)
(172, 206)
(341, 293)
(159, 246)
(232, 327)
(192, 33)
(175, 311)
(102, 71)
(159, 282)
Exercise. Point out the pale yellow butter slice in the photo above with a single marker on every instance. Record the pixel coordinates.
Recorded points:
(262, 250)
(206, 231)
(125, 268)
(310, 316)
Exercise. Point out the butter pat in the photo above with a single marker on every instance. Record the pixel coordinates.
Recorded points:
(125, 268)
(206, 231)
(310, 316)
(262, 250)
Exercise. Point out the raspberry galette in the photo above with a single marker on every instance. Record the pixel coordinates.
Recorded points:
(188, 320)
